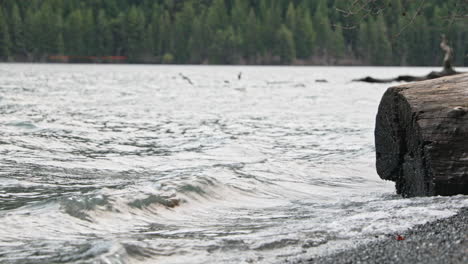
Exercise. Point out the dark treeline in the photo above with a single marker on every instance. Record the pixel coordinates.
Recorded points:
(232, 31)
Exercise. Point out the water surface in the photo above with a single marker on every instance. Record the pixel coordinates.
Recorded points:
(192, 164)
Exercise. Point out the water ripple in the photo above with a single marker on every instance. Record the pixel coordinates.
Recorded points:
(133, 164)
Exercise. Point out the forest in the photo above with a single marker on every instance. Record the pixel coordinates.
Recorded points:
(299, 32)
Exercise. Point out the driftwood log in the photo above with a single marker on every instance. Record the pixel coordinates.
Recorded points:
(421, 137)
(446, 71)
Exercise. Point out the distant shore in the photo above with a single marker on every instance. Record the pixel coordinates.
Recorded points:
(99, 62)
(442, 241)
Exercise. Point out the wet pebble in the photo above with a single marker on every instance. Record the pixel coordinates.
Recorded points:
(442, 241)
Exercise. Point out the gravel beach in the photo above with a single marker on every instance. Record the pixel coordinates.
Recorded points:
(444, 241)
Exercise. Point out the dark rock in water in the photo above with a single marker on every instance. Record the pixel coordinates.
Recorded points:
(421, 137)
(321, 81)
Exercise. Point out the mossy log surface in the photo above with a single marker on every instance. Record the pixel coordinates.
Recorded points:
(421, 137)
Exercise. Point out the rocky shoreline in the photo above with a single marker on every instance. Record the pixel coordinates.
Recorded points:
(442, 241)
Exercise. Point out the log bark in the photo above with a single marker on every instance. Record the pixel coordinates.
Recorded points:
(447, 69)
(421, 137)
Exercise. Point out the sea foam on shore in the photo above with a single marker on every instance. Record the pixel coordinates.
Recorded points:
(441, 241)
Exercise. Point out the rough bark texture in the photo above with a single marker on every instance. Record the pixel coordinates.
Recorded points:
(421, 137)
(446, 71)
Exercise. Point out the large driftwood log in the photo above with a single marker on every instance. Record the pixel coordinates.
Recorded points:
(421, 137)
(446, 71)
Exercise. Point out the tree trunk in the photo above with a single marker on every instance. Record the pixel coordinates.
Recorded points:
(421, 137)
(446, 71)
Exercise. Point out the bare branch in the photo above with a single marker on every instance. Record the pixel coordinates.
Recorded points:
(421, 5)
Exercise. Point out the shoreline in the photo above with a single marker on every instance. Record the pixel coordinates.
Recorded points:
(442, 241)
(362, 65)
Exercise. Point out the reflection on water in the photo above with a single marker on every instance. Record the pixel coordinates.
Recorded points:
(135, 164)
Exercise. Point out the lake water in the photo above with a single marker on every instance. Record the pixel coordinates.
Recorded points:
(193, 164)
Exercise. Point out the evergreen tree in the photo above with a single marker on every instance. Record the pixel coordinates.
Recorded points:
(372, 37)
(165, 39)
(74, 34)
(30, 33)
(5, 43)
(17, 32)
(103, 35)
(183, 29)
(417, 42)
(135, 29)
(271, 21)
(46, 30)
(232, 31)
(240, 23)
(197, 42)
(154, 30)
(382, 46)
(89, 33)
(119, 37)
(60, 43)
(291, 22)
(285, 45)
(338, 47)
(363, 42)
(304, 35)
(148, 41)
(217, 17)
(322, 27)
(251, 41)
(239, 14)
(231, 46)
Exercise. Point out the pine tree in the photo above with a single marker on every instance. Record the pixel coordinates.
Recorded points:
(373, 40)
(89, 33)
(74, 34)
(362, 49)
(46, 29)
(217, 17)
(285, 45)
(291, 22)
(304, 35)
(183, 30)
(60, 44)
(251, 44)
(103, 35)
(231, 46)
(17, 33)
(239, 14)
(193, 31)
(271, 21)
(240, 24)
(148, 41)
(322, 27)
(135, 29)
(383, 48)
(118, 26)
(338, 46)
(165, 36)
(30, 33)
(155, 30)
(196, 43)
(5, 42)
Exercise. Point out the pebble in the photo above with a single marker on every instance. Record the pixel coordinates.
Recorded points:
(442, 241)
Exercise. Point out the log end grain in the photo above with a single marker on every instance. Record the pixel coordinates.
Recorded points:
(421, 137)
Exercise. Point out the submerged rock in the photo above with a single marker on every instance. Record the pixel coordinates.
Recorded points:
(321, 81)
(421, 137)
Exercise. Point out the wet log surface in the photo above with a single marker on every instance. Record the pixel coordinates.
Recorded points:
(421, 137)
